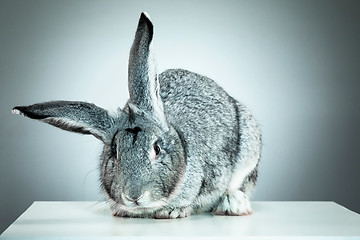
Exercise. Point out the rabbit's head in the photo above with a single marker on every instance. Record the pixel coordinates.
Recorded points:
(143, 166)
(143, 159)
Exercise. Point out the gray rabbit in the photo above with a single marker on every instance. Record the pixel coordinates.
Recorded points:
(181, 144)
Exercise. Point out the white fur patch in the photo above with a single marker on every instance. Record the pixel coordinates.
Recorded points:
(242, 170)
(15, 111)
(147, 15)
(71, 123)
(155, 89)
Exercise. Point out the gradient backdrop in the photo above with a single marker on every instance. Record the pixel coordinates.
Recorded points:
(296, 64)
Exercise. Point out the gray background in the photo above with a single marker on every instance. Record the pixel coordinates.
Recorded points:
(294, 63)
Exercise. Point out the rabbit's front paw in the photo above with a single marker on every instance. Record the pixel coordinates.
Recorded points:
(234, 203)
(173, 213)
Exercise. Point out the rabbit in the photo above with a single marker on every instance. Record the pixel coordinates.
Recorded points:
(180, 146)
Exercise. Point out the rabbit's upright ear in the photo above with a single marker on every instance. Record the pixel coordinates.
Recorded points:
(144, 85)
(78, 117)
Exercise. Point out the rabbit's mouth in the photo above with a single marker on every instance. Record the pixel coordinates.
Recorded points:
(143, 200)
(139, 209)
(126, 206)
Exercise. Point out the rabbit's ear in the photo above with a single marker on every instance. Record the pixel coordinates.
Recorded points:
(78, 117)
(144, 85)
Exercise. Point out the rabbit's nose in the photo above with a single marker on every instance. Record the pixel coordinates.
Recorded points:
(136, 199)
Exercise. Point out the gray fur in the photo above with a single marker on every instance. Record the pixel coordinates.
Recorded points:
(181, 144)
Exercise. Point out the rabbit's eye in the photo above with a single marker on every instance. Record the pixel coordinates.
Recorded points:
(157, 150)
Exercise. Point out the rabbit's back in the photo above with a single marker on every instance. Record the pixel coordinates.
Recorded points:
(203, 113)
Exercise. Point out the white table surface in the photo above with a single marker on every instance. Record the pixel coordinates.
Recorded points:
(93, 220)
